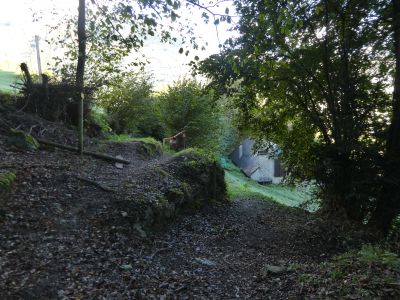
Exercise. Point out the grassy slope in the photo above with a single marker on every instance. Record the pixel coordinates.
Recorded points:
(241, 186)
(6, 79)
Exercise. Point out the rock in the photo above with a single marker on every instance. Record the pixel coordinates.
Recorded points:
(205, 261)
(117, 164)
(184, 184)
(149, 147)
(126, 267)
(140, 230)
(271, 269)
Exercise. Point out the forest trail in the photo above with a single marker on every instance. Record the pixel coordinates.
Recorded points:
(56, 241)
(219, 253)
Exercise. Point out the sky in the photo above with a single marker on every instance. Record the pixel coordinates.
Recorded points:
(19, 25)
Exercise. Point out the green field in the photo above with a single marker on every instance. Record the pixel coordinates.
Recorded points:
(241, 186)
(6, 79)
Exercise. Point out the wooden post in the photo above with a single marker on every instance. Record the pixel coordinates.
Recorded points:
(45, 103)
(214, 180)
(80, 124)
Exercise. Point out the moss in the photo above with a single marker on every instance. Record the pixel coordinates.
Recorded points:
(160, 171)
(194, 181)
(119, 138)
(175, 194)
(147, 146)
(22, 140)
(146, 140)
(149, 149)
(202, 174)
(6, 181)
(129, 138)
(190, 153)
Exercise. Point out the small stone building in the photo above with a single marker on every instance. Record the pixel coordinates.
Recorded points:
(263, 166)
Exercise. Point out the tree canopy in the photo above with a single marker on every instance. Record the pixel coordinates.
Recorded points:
(315, 78)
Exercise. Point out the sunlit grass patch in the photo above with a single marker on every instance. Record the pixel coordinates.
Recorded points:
(240, 186)
(6, 80)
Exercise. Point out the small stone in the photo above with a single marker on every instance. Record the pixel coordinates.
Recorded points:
(272, 269)
(117, 164)
(140, 230)
(126, 267)
(205, 261)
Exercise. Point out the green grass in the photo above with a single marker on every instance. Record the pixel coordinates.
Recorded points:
(6, 79)
(370, 273)
(129, 138)
(240, 186)
(146, 140)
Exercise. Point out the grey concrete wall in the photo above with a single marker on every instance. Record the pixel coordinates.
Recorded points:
(244, 157)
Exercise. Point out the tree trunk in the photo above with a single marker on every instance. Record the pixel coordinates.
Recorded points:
(388, 206)
(80, 69)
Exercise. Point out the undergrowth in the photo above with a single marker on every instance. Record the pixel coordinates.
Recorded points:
(370, 273)
(6, 181)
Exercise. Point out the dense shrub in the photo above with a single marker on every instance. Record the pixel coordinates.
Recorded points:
(52, 99)
(132, 108)
(186, 105)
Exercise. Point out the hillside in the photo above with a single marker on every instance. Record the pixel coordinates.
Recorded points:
(239, 185)
(6, 79)
(80, 227)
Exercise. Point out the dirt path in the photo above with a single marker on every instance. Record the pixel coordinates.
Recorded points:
(220, 253)
(53, 244)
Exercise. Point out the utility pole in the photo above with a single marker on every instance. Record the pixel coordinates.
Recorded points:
(38, 57)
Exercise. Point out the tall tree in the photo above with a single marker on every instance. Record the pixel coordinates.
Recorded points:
(80, 69)
(313, 77)
(388, 206)
(116, 29)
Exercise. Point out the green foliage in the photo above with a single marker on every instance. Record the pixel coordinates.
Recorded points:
(131, 107)
(191, 153)
(301, 77)
(51, 99)
(22, 141)
(6, 181)
(7, 101)
(147, 147)
(99, 117)
(371, 272)
(186, 105)
(115, 33)
(113, 30)
(120, 138)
